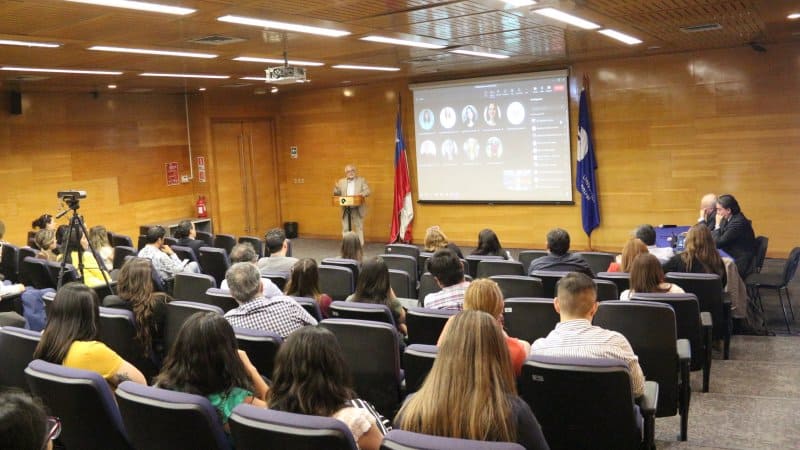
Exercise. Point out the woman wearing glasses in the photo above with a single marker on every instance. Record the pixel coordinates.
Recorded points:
(24, 425)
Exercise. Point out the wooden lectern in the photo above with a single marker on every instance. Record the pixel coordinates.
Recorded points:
(348, 202)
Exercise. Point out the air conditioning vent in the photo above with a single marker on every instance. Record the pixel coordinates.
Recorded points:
(701, 28)
(27, 78)
(216, 39)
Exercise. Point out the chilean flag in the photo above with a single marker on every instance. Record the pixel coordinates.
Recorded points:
(402, 210)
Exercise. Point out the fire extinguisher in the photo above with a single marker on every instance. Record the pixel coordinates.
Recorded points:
(202, 212)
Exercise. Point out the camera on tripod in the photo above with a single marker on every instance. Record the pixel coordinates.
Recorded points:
(71, 198)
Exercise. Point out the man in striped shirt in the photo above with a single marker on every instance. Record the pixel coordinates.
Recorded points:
(576, 337)
(448, 270)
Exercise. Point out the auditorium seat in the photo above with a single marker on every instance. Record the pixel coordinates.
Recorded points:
(220, 298)
(779, 282)
(425, 325)
(141, 242)
(120, 240)
(278, 279)
(598, 261)
(121, 253)
(9, 263)
(184, 252)
(526, 256)
(214, 261)
(192, 286)
(225, 241)
(362, 311)
(427, 285)
(405, 263)
(177, 313)
(401, 284)
(621, 279)
(206, 237)
(519, 286)
(422, 262)
(255, 428)
(710, 296)
(255, 242)
(529, 318)
(351, 264)
(261, 348)
(118, 332)
(402, 249)
(488, 268)
(406, 440)
(35, 273)
(606, 290)
(311, 306)
(170, 241)
(336, 281)
(417, 362)
(16, 352)
(549, 279)
(473, 260)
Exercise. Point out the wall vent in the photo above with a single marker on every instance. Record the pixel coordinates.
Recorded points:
(700, 28)
(216, 39)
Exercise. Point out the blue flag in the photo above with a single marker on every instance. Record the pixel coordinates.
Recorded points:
(585, 182)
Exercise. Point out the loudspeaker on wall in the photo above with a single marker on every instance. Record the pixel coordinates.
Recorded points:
(15, 106)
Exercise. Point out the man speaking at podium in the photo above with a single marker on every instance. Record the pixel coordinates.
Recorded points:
(352, 216)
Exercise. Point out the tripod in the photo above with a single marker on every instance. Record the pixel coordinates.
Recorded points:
(76, 223)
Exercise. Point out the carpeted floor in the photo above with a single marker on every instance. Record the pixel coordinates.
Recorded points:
(754, 398)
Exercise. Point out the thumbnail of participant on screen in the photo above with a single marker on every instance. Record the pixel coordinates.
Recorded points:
(491, 114)
(449, 149)
(447, 117)
(427, 149)
(469, 115)
(426, 119)
(515, 113)
(472, 149)
(494, 147)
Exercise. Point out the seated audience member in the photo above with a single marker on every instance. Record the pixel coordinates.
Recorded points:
(24, 424)
(246, 253)
(351, 247)
(435, 239)
(575, 336)
(164, 259)
(135, 293)
(485, 295)
(277, 246)
(699, 256)
(734, 233)
(205, 360)
(448, 270)
(186, 234)
(631, 249)
(45, 241)
(93, 274)
(98, 237)
(647, 277)
(279, 314)
(489, 244)
(44, 222)
(559, 258)
(311, 377)
(708, 211)
(647, 234)
(304, 282)
(373, 287)
(470, 392)
(71, 337)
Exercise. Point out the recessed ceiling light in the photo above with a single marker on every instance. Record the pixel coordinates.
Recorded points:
(183, 75)
(481, 54)
(622, 37)
(278, 61)
(81, 72)
(141, 6)
(567, 18)
(145, 51)
(29, 44)
(274, 89)
(283, 26)
(201, 89)
(406, 42)
(356, 67)
(112, 86)
(793, 16)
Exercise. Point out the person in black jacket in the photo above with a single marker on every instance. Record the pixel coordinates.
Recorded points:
(734, 233)
(185, 233)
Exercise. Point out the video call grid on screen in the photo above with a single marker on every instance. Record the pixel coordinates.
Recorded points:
(494, 139)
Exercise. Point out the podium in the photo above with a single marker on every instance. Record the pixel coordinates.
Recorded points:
(348, 202)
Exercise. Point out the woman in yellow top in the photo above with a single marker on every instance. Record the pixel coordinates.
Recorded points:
(70, 337)
(92, 272)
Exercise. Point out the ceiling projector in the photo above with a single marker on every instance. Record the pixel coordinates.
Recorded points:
(286, 75)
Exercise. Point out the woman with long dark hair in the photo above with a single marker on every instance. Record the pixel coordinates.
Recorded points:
(647, 277)
(489, 244)
(71, 337)
(44, 222)
(304, 282)
(373, 286)
(311, 377)
(471, 393)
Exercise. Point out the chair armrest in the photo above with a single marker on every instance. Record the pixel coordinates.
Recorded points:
(648, 402)
(684, 350)
(706, 320)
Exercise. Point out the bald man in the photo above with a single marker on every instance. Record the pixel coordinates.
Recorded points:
(708, 213)
(353, 185)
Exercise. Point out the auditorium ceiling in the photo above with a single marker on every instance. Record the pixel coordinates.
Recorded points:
(526, 39)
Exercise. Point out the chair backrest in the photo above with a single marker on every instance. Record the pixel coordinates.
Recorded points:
(120, 253)
(220, 298)
(566, 394)
(16, 346)
(762, 242)
(606, 290)
(84, 402)
(257, 244)
(621, 279)
(402, 249)
(35, 272)
(708, 289)
(526, 256)
(650, 328)
(336, 281)
(9, 265)
(427, 285)
(162, 419)
(169, 240)
(425, 325)
(529, 318)
(177, 313)
(31, 238)
(598, 261)
(206, 237)
(417, 362)
(214, 261)
(422, 262)
(184, 252)
(253, 427)
(311, 306)
(261, 348)
(406, 440)
(401, 284)
(225, 241)
(519, 286)
(141, 241)
(405, 263)
(361, 311)
(192, 286)
(473, 260)
(687, 321)
(549, 279)
(118, 331)
(489, 267)
(279, 279)
(70, 272)
(118, 240)
(372, 352)
(790, 269)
